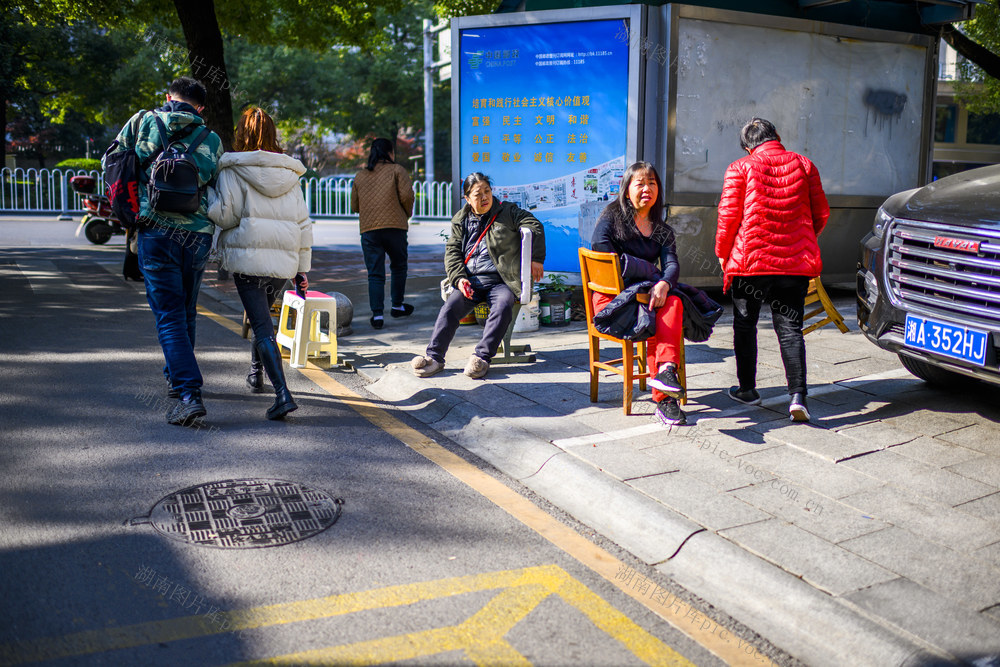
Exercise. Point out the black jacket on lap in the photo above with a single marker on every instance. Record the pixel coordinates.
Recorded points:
(624, 317)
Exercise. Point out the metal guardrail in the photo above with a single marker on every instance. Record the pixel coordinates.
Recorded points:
(49, 191)
(40, 190)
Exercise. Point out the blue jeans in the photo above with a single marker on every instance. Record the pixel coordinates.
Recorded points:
(375, 245)
(172, 262)
(490, 289)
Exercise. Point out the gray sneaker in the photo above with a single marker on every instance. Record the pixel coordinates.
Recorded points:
(476, 368)
(424, 367)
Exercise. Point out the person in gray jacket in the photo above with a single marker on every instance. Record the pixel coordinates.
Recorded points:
(482, 260)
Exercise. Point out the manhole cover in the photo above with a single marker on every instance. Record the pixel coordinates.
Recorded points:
(244, 513)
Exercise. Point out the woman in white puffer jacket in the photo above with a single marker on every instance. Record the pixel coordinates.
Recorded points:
(266, 237)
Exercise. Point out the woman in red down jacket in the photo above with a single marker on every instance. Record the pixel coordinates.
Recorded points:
(772, 209)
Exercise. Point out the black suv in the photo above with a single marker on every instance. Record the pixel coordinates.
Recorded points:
(929, 277)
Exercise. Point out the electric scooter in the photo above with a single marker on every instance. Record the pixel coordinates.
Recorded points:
(99, 223)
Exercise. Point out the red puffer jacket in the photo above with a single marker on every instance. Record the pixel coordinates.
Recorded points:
(771, 210)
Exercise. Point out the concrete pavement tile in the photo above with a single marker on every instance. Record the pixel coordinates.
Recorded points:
(575, 357)
(741, 423)
(496, 399)
(819, 372)
(544, 422)
(812, 472)
(921, 515)
(990, 554)
(827, 445)
(824, 631)
(824, 517)
(926, 480)
(938, 620)
(833, 394)
(880, 433)
(994, 612)
(698, 501)
(824, 565)
(985, 469)
(560, 398)
(708, 460)
(822, 350)
(512, 450)
(633, 520)
(875, 376)
(895, 389)
(612, 418)
(927, 422)
(987, 507)
(935, 452)
(621, 460)
(965, 580)
(699, 353)
(983, 438)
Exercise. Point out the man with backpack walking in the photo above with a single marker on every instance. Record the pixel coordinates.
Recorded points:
(170, 158)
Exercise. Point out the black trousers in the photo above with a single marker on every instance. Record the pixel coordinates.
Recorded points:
(786, 297)
(258, 293)
(375, 245)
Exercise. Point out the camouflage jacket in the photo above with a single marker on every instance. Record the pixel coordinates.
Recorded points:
(175, 116)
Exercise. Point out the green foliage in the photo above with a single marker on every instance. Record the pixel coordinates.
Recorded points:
(351, 68)
(80, 163)
(978, 91)
(556, 283)
(447, 9)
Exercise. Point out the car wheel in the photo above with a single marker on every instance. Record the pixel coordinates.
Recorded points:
(98, 233)
(931, 374)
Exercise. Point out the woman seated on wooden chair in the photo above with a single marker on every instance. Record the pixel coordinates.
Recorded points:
(483, 260)
(633, 227)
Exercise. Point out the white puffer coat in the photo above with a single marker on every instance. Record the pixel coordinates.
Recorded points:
(260, 208)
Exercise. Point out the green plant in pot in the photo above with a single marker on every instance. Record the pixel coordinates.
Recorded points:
(554, 301)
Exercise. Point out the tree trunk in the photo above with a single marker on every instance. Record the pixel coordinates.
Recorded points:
(972, 51)
(208, 65)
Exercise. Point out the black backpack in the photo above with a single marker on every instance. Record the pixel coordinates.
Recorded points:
(173, 184)
(123, 172)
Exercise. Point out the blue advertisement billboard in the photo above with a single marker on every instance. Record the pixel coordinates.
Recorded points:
(543, 111)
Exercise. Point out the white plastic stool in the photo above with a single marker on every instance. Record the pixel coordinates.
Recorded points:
(305, 337)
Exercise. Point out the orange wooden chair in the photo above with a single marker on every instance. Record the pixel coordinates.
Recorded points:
(601, 273)
(826, 309)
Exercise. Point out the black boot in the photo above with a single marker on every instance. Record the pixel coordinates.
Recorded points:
(255, 378)
(270, 357)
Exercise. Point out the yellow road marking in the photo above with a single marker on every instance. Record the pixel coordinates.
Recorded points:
(609, 619)
(481, 636)
(223, 321)
(679, 614)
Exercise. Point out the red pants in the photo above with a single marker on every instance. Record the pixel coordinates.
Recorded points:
(665, 345)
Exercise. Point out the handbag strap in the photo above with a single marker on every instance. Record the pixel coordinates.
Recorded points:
(476, 244)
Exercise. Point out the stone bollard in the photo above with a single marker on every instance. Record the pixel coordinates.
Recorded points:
(345, 313)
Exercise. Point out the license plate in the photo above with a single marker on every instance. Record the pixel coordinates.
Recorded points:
(947, 339)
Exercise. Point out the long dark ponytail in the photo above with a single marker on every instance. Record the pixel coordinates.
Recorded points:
(381, 152)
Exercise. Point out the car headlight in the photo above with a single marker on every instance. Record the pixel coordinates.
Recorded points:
(882, 220)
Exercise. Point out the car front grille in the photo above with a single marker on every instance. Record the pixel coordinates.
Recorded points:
(960, 286)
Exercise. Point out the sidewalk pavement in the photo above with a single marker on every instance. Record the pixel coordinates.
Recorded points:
(870, 536)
